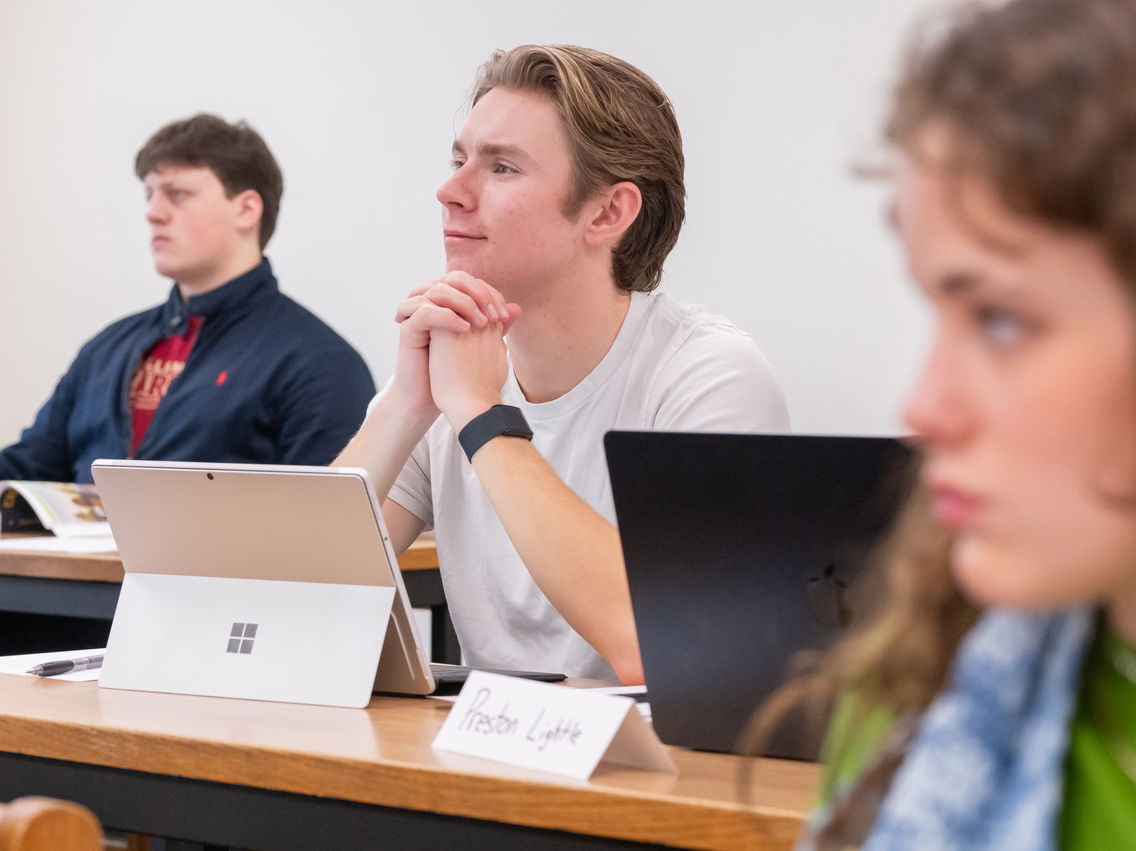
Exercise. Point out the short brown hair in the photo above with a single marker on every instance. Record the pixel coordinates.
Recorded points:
(620, 127)
(234, 152)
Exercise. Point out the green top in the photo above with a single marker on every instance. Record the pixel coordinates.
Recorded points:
(1099, 808)
(1100, 797)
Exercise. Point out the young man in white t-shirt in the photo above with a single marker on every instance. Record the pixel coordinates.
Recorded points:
(566, 197)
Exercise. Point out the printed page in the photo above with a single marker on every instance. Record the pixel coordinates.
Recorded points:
(64, 508)
(52, 544)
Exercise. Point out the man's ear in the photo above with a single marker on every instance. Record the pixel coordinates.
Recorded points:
(613, 211)
(249, 208)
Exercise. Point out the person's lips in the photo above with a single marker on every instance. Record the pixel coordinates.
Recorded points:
(157, 241)
(952, 506)
(460, 235)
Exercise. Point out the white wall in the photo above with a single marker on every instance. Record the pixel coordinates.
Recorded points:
(360, 101)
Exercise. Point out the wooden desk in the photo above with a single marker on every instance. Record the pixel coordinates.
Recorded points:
(87, 586)
(271, 775)
(107, 567)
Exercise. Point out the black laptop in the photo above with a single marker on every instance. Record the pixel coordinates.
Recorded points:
(743, 550)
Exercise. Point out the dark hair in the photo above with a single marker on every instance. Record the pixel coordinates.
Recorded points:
(234, 152)
(620, 127)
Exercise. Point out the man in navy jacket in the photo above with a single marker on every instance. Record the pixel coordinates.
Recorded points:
(228, 368)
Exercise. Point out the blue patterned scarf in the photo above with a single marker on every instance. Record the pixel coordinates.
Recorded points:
(985, 769)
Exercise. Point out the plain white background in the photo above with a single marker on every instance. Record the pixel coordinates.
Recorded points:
(778, 101)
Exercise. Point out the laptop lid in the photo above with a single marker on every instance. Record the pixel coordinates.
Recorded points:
(741, 551)
(257, 581)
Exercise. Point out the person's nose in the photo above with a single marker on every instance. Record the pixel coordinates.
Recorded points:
(940, 409)
(157, 209)
(458, 191)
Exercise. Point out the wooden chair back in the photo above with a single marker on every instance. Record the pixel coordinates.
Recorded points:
(48, 824)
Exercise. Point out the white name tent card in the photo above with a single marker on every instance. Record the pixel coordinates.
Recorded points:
(550, 728)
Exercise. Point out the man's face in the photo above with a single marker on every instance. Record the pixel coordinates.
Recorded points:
(195, 231)
(503, 208)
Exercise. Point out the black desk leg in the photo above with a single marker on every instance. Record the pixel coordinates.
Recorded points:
(444, 646)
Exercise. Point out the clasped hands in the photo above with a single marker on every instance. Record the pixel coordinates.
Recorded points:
(451, 351)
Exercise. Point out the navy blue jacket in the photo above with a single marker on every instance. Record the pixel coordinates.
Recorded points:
(266, 382)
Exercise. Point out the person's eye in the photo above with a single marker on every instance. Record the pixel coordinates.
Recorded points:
(456, 163)
(176, 194)
(501, 168)
(1002, 329)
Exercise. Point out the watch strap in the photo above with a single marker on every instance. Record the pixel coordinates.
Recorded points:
(499, 420)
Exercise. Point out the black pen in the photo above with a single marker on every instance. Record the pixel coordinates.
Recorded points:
(66, 666)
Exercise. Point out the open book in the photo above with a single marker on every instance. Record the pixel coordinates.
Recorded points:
(65, 509)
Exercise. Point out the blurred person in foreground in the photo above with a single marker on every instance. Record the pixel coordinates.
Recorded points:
(992, 704)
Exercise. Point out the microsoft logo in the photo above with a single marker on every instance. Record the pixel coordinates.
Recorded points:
(241, 637)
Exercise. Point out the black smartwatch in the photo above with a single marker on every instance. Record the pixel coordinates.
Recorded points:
(498, 420)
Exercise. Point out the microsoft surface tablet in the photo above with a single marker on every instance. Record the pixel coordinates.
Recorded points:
(256, 581)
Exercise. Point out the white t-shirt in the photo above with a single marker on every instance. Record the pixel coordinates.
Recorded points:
(672, 367)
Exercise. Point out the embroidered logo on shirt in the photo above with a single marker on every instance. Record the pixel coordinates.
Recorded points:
(222, 377)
